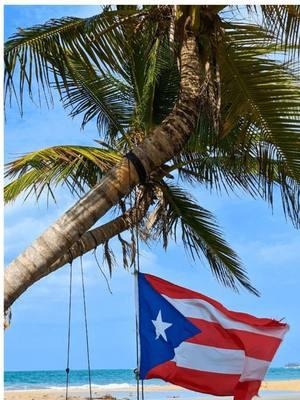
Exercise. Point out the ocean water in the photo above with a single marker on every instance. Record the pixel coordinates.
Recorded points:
(103, 378)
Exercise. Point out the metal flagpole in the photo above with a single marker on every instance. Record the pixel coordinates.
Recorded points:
(138, 308)
(137, 319)
(137, 370)
(134, 236)
(136, 262)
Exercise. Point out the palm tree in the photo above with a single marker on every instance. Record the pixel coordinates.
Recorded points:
(174, 90)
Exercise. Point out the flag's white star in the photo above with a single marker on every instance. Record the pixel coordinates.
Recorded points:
(160, 326)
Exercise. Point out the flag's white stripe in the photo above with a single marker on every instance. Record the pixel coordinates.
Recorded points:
(222, 361)
(209, 359)
(254, 369)
(197, 308)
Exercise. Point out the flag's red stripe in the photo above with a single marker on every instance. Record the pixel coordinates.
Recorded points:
(212, 334)
(200, 381)
(246, 390)
(255, 345)
(178, 292)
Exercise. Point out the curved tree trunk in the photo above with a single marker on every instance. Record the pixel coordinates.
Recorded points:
(166, 141)
(98, 236)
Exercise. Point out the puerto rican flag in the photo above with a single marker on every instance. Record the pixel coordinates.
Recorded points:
(193, 341)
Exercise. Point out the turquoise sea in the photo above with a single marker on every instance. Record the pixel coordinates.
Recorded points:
(105, 378)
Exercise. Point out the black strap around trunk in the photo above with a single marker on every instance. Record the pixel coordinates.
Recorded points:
(138, 165)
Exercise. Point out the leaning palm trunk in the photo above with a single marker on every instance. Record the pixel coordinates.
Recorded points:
(166, 141)
(95, 237)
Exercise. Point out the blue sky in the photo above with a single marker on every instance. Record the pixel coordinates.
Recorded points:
(267, 244)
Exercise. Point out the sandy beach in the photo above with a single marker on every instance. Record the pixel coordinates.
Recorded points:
(271, 390)
(293, 385)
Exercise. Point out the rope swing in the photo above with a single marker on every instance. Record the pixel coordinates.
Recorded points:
(86, 328)
(69, 330)
(69, 333)
(136, 264)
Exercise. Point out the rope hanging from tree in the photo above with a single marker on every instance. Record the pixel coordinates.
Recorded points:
(86, 328)
(69, 333)
(136, 264)
(69, 330)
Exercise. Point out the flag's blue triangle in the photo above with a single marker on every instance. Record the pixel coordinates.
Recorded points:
(158, 321)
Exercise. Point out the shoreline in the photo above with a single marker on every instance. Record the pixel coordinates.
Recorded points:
(270, 390)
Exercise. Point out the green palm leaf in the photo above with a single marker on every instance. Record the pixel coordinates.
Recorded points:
(167, 80)
(97, 96)
(42, 170)
(234, 163)
(38, 54)
(201, 236)
(284, 21)
(159, 83)
(247, 76)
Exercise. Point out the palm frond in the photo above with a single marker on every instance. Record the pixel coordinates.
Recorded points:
(261, 93)
(202, 236)
(77, 167)
(38, 54)
(241, 161)
(160, 84)
(151, 71)
(167, 83)
(98, 96)
(283, 20)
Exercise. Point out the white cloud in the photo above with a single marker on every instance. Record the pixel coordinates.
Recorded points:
(25, 221)
(281, 253)
(279, 250)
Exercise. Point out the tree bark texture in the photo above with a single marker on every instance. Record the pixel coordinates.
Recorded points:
(165, 141)
(95, 237)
